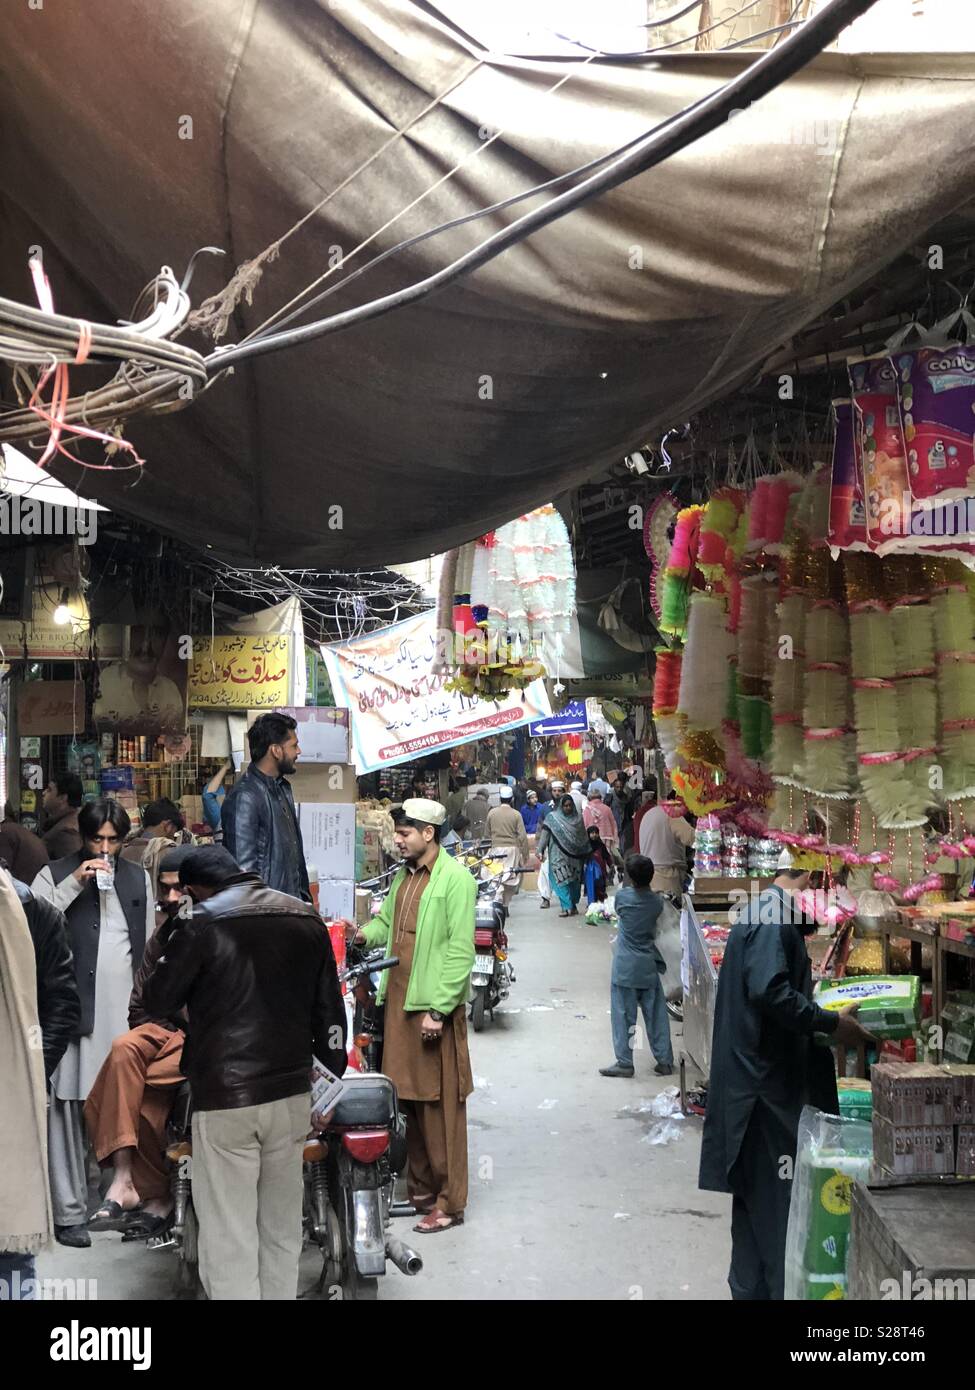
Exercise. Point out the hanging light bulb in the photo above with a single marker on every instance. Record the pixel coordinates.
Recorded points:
(62, 614)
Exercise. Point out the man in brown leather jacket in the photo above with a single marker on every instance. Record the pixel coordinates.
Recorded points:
(256, 972)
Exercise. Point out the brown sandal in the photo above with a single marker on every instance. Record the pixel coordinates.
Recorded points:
(436, 1221)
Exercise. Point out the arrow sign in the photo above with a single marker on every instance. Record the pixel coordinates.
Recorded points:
(571, 720)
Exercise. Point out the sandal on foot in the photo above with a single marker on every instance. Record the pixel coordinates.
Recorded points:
(436, 1221)
(146, 1225)
(564, 914)
(111, 1216)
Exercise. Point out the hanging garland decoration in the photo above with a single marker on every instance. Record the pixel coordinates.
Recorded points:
(658, 521)
(513, 597)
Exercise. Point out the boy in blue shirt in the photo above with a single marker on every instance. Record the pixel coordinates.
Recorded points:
(637, 967)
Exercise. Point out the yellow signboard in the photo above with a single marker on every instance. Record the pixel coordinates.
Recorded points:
(243, 672)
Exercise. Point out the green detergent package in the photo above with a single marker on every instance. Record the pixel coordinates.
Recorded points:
(856, 1098)
(889, 1005)
(833, 1153)
(818, 1288)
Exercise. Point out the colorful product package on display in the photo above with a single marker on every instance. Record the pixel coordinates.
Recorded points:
(914, 1150)
(907, 1093)
(856, 1098)
(958, 1022)
(880, 447)
(832, 1154)
(847, 515)
(963, 1094)
(965, 1160)
(889, 1005)
(937, 403)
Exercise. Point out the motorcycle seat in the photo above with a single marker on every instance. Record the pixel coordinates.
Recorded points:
(369, 1098)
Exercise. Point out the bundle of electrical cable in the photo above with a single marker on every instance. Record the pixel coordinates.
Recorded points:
(155, 373)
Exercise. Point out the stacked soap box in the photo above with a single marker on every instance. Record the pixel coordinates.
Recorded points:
(924, 1119)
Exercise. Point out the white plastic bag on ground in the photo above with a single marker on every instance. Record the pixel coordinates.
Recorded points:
(667, 1103)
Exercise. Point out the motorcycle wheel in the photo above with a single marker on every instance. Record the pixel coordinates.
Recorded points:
(356, 1288)
(676, 1010)
(477, 1010)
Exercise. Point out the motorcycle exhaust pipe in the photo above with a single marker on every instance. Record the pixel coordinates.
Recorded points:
(405, 1259)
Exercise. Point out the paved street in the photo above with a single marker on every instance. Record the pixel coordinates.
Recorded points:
(568, 1199)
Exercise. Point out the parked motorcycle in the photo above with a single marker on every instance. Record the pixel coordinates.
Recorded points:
(351, 1169)
(492, 974)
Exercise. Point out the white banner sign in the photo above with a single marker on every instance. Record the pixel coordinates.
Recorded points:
(399, 709)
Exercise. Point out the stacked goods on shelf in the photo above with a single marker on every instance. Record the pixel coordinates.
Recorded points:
(924, 1119)
(734, 851)
(707, 848)
(832, 1154)
(958, 1024)
(856, 1098)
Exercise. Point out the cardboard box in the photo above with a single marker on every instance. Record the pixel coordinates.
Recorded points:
(965, 1158)
(336, 898)
(328, 835)
(324, 782)
(963, 1092)
(912, 1093)
(913, 1150)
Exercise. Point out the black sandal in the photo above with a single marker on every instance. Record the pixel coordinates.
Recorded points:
(112, 1216)
(145, 1226)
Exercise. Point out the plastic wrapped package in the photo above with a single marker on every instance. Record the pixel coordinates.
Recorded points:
(833, 1152)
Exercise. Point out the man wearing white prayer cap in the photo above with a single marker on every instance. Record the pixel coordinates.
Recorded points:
(427, 921)
(575, 791)
(509, 840)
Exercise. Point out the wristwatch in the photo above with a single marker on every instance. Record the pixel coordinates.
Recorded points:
(437, 1016)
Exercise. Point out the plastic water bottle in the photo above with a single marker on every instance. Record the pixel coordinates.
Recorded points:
(105, 876)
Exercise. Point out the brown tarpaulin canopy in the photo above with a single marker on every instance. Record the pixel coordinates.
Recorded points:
(438, 421)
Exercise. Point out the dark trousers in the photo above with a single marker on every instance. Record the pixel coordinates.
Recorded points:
(760, 1208)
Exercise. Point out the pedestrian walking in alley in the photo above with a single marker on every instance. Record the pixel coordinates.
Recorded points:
(765, 1066)
(637, 968)
(564, 843)
(129, 1104)
(599, 869)
(599, 815)
(427, 921)
(664, 838)
(260, 825)
(26, 1220)
(23, 852)
(509, 841)
(531, 813)
(61, 803)
(476, 810)
(255, 971)
(108, 906)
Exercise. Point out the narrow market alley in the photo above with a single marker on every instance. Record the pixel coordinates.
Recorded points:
(569, 1199)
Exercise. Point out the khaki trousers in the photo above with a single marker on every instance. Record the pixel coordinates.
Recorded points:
(436, 1146)
(668, 880)
(247, 1191)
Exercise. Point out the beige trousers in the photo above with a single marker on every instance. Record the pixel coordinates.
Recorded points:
(667, 880)
(247, 1191)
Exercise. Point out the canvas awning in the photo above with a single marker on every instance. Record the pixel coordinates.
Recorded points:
(439, 421)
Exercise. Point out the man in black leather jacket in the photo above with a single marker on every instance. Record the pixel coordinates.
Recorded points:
(58, 1005)
(255, 969)
(260, 825)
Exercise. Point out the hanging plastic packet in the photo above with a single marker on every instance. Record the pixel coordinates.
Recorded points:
(880, 445)
(937, 405)
(847, 515)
